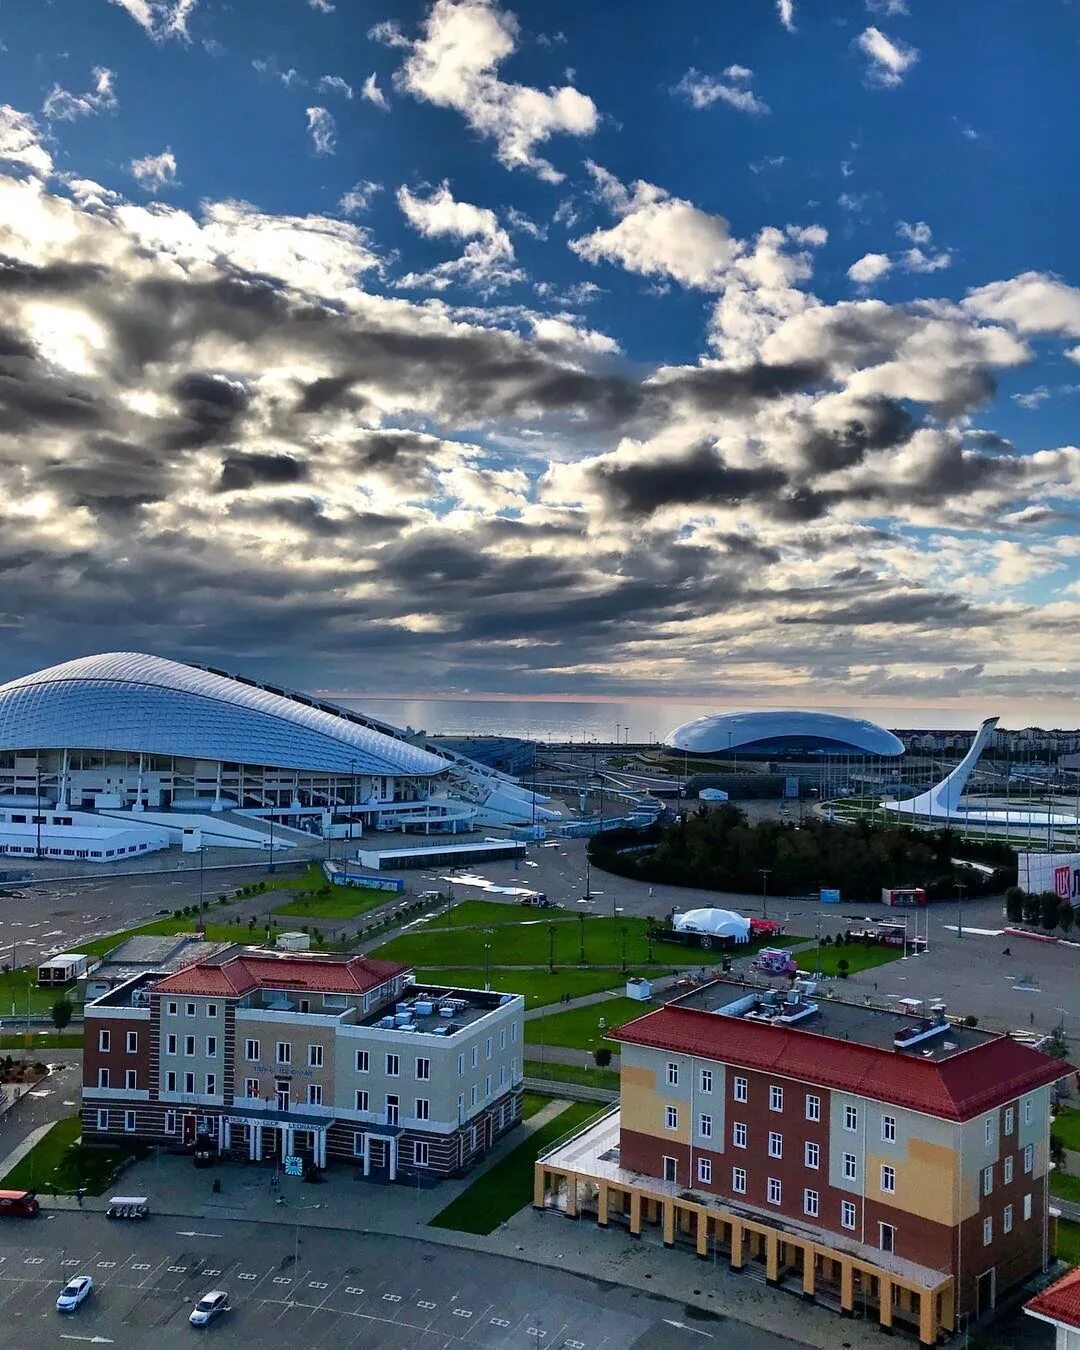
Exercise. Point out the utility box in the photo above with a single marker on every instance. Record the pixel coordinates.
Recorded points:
(638, 988)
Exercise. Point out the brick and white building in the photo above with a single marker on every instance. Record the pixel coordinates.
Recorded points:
(333, 1058)
(882, 1162)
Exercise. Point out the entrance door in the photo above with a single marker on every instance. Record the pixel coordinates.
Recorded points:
(985, 1292)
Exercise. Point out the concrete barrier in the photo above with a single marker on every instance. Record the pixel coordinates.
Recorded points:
(575, 1092)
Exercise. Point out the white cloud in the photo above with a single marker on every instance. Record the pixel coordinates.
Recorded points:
(359, 197)
(786, 11)
(442, 214)
(869, 268)
(454, 65)
(1031, 400)
(268, 66)
(702, 91)
(154, 172)
(161, 19)
(889, 58)
(561, 331)
(918, 260)
(62, 106)
(323, 6)
(488, 260)
(323, 131)
(371, 91)
(887, 7)
(852, 201)
(336, 85)
(918, 233)
(20, 141)
(1034, 302)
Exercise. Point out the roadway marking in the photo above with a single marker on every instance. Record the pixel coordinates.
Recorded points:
(535, 1331)
(106, 1265)
(462, 1312)
(246, 1276)
(140, 1266)
(278, 1279)
(499, 1322)
(352, 1289)
(425, 1304)
(388, 1298)
(211, 1272)
(34, 1261)
(173, 1270)
(315, 1284)
(74, 1262)
(574, 1345)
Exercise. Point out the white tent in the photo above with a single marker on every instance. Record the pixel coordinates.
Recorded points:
(715, 922)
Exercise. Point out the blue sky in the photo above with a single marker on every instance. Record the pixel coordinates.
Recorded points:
(732, 350)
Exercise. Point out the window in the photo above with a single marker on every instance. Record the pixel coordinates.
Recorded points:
(1029, 1157)
(358, 1143)
(211, 1084)
(776, 1144)
(172, 1009)
(393, 1112)
(738, 1180)
(671, 1117)
(191, 1009)
(474, 1058)
(170, 1122)
(502, 1075)
(1006, 1219)
(810, 1203)
(103, 1078)
(487, 1085)
(314, 1094)
(1027, 1206)
(886, 1237)
(988, 1131)
(170, 1044)
(851, 1171)
(361, 1103)
(888, 1129)
(987, 1180)
(776, 1098)
(705, 1084)
(251, 1087)
(103, 1041)
(460, 1065)
(423, 1109)
(314, 1056)
(284, 1052)
(1007, 1170)
(130, 1080)
(132, 1042)
(1027, 1110)
(774, 1191)
(513, 1032)
(813, 1107)
(473, 1095)
(487, 1048)
(812, 1154)
(103, 1120)
(705, 1127)
(670, 1168)
(420, 1153)
(362, 1061)
(502, 1039)
(847, 1214)
(170, 1082)
(704, 1170)
(1010, 1119)
(189, 1045)
(393, 1066)
(461, 1107)
(851, 1118)
(211, 1047)
(738, 1135)
(739, 1090)
(888, 1179)
(988, 1231)
(189, 1083)
(672, 1073)
(423, 1069)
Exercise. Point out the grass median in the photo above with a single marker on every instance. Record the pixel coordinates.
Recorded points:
(579, 1028)
(1067, 1128)
(508, 1185)
(857, 957)
(539, 987)
(546, 1072)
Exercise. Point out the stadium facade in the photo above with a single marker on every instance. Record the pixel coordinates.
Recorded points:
(177, 751)
(783, 735)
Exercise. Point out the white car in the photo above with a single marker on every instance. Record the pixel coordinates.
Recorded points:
(73, 1293)
(208, 1307)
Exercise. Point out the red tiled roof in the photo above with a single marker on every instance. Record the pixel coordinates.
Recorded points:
(1060, 1302)
(247, 971)
(957, 1088)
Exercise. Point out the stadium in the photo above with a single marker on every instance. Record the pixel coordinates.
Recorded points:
(121, 753)
(791, 737)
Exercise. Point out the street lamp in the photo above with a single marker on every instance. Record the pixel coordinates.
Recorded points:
(764, 891)
(960, 889)
(487, 967)
(551, 949)
(581, 954)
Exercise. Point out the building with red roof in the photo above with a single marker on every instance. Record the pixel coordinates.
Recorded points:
(267, 1055)
(1059, 1304)
(890, 1160)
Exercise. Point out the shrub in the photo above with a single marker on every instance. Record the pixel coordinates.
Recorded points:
(1031, 908)
(842, 967)
(1049, 909)
(970, 1021)
(1014, 904)
(178, 913)
(602, 1056)
(826, 941)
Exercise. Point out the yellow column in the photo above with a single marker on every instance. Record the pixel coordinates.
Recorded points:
(635, 1213)
(539, 1185)
(847, 1287)
(948, 1307)
(885, 1296)
(736, 1245)
(669, 1223)
(571, 1196)
(702, 1233)
(927, 1320)
(772, 1257)
(808, 1272)
(602, 1205)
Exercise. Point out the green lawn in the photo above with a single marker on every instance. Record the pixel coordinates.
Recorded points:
(18, 987)
(486, 913)
(538, 986)
(58, 1164)
(508, 1186)
(1068, 1242)
(579, 1028)
(531, 1102)
(572, 1073)
(345, 902)
(856, 955)
(1068, 1187)
(1067, 1127)
(39, 1040)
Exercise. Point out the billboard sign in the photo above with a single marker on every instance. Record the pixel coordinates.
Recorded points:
(829, 897)
(1057, 872)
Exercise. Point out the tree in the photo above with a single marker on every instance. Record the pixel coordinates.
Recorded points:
(1049, 909)
(602, 1056)
(842, 967)
(1057, 1151)
(1032, 909)
(62, 1010)
(1014, 904)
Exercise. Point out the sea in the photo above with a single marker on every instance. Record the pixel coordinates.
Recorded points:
(639, 720)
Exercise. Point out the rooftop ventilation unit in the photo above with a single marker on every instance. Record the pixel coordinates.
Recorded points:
(386, 1023)
(918, 1032)
(445, 1010)
(423, 1008)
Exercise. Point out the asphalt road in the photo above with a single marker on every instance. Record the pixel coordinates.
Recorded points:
(378, 1293)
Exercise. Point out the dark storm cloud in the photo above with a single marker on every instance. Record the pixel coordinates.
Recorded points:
(880, 424)
(108, 475)
(916, 608)
(308, 515)
(211, 406)
(18, 277)
(252, 469)
(699, 477)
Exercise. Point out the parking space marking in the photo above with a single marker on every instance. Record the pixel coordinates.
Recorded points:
(462, 1312)
(141, 1265)
(245, 1275)
(354, 1290)
(34, 1261)
(209, 1272)
(574, 1345)
(499, 1322)
(173, 1270)
(535, 1331)
(278, 1279)
(391, 1298)
(316, 1284)
(72, 1261)
(425, 1304)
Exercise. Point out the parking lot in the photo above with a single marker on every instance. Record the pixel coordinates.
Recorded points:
(330, 1290)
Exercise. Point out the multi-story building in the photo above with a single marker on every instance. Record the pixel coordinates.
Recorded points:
(887, 1163)
(327, 1057)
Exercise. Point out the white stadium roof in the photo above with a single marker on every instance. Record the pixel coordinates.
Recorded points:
(765, 732)
(131, 702)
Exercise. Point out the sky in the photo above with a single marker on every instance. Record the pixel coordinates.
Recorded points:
(727, 352)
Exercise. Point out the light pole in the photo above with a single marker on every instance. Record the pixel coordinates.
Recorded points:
(960, 889)
(551, 949)
(296, 1234)
(487, 967)
(581, 953)
(764, 891)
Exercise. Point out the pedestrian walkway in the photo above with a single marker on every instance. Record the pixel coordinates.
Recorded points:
(19, 1152)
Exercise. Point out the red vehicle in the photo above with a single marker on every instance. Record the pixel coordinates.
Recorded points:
(18, 1205)
(765, 928)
